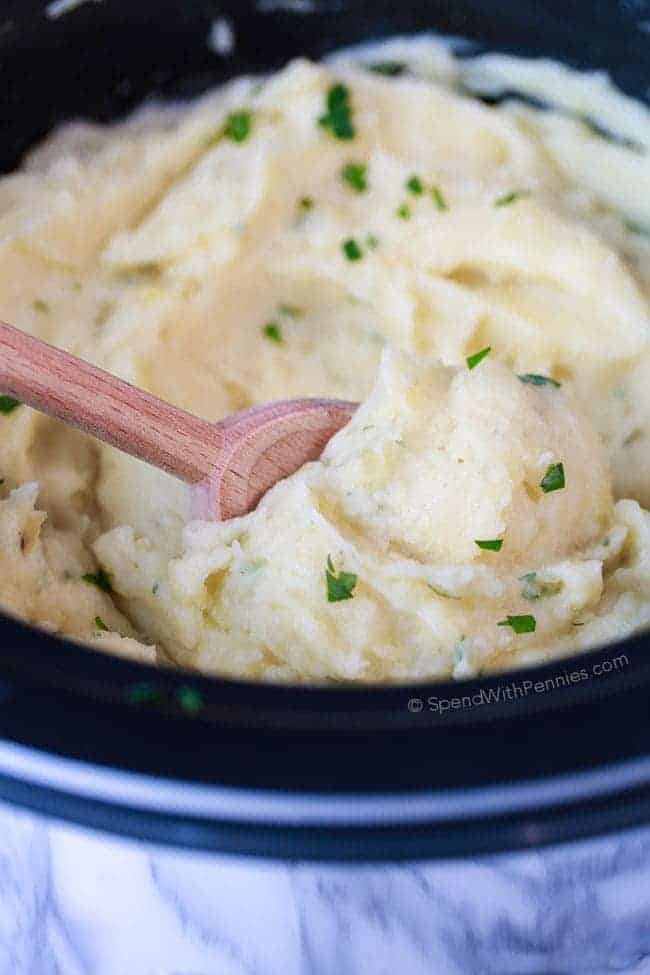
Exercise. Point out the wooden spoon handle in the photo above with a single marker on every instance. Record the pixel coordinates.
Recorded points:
(84, 396)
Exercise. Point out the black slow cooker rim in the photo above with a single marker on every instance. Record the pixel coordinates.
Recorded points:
(52, 709)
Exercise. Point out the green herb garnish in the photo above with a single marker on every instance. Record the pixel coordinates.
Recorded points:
(535, 380)
(404, 212)
(554, 479)
(520, 624)
(338, 117)
(352, 250)
(356, 175)
(508, 198)
(100, 579)
(290, 311)
(144, 694)
(305, 203)
(473, 360)
(391, 69)
(438, 198)
(272, 332)
(190, 700)
(100, 624)
(341, 586)
(8, 404)
(42, 306)
(415, 185)
(238, 126)
(534, 589)
(490, 544)
(372, 241)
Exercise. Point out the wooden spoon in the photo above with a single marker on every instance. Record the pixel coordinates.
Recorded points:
(229, 465)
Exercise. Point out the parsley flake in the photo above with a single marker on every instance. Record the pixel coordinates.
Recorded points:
(533, 379)
(404, 212)
(533, 588)
(438, 198)
(100, 624)
(415, 186)
(290, 311)
(338, 117)
(356, 175)
(490, 544)
(341, 586)
(42, 306)
(473, 360)
(390, 69)
(352, 250)
(8, 404)
(100, 579)
(272, 332)
(190, 700)
(508, 198)
(554, 479)
(305, 203)
(145, 694)
(520, 624)
(238, 126)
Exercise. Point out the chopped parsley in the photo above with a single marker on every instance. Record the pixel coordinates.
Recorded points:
(554, 479)
(305, 203)
(533, 588)
(404, 212)
(42, 306)
(100, 579)
(508, 198)
(372, 241)
(473, 360)
(534, 379)
(190, 700)
(8, 404)
(356, 175)
(145, 694)
(636, 228)
(390, 69)
(352, 250)
(290, 311)
(238, 126)
(100, 624)
(338, 117)
(415, 186)
(272, 332)
(490, 544)
(341, 586)
(438, 198)
(520, 624)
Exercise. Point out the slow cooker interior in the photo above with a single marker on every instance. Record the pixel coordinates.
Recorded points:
(99, 60)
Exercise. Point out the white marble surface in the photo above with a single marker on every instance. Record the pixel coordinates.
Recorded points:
(79, 903)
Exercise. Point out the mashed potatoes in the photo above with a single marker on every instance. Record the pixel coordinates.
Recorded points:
(477, 276)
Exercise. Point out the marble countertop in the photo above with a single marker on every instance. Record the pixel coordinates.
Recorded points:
(73, 902)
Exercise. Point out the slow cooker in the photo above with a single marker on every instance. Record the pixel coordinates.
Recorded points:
(523, 759)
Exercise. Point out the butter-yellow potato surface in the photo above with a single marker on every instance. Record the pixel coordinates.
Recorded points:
(476, 276)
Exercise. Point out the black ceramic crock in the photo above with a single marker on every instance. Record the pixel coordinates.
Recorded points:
(533, 757)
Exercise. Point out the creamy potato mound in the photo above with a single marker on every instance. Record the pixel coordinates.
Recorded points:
(477, 276)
